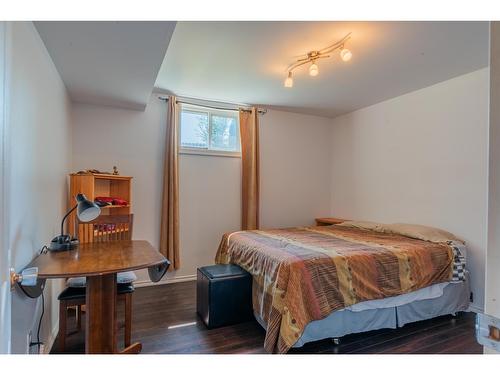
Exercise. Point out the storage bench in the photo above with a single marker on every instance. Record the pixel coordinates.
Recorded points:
(223, 295)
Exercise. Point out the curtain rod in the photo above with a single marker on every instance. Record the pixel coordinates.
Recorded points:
(261, 111)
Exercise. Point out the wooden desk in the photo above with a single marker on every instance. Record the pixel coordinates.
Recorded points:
(99, 262)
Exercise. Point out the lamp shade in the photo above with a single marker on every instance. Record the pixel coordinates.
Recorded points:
(86, 210)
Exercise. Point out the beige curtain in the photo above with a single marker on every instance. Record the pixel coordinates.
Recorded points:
(169, 230)
(249, 133)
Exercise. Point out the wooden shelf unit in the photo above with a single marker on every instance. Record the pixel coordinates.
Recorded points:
(100, 185)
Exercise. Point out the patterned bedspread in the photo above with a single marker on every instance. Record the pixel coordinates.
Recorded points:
(304, 274)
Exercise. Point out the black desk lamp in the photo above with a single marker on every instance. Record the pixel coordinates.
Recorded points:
(86, 211)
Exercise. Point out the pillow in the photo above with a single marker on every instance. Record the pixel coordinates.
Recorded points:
(421, 232)
(121, 278)
(370, 225)
(126, 277)
(77, 282)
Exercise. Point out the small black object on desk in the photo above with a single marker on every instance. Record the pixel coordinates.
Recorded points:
(223, 295)
(86, 211)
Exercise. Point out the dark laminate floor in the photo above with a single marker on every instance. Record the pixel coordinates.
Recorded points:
(158, 309)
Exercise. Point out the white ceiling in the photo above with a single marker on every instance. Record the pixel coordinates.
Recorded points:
(245, 62)
(109, 63)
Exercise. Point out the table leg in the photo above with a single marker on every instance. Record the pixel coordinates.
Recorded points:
(100, 332)
(132, 349)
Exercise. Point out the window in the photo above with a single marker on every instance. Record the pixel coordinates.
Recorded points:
(209, 131)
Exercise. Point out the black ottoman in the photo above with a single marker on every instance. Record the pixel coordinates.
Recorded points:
(223, 295)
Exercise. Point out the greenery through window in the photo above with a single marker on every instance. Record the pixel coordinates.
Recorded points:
(208, 130)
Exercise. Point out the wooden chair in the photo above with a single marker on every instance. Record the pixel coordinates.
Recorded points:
(104, 228)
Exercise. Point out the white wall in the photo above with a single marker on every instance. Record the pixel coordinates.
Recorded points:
(295, 169)
(5, 295)
(133, 141)
(40, 159)
(492, 298)
(292, 193)
(419, 158)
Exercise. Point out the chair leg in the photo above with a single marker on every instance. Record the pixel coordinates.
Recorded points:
(63, 316)
(128, 319)
(79, 318)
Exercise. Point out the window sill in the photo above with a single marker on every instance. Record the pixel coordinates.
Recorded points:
(227, 154)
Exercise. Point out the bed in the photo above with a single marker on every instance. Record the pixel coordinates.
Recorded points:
(311, 283)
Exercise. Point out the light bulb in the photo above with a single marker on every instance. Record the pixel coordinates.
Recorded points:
(313, 70)
(345, 54)
(289, 80)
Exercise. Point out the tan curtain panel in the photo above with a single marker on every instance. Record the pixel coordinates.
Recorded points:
(249, 133)
(169, 230)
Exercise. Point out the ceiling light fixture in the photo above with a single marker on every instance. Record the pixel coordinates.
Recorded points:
(312, 56)
(345, 54)
(289, 80)
(313, 70)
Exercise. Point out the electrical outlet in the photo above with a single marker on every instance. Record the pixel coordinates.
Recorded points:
(28, 342)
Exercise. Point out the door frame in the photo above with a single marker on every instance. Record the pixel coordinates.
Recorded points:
(5, 256)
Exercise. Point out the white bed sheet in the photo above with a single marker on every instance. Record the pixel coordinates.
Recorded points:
(432, 291)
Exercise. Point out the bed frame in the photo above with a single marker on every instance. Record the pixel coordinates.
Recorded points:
(455, 298)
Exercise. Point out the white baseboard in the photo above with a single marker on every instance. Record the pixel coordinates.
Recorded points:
(476, 309)
(165, 280)
(51, 339)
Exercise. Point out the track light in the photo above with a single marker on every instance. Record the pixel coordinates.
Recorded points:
(345, 54)
(312, 56)
(313, 70)
(289, 80)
